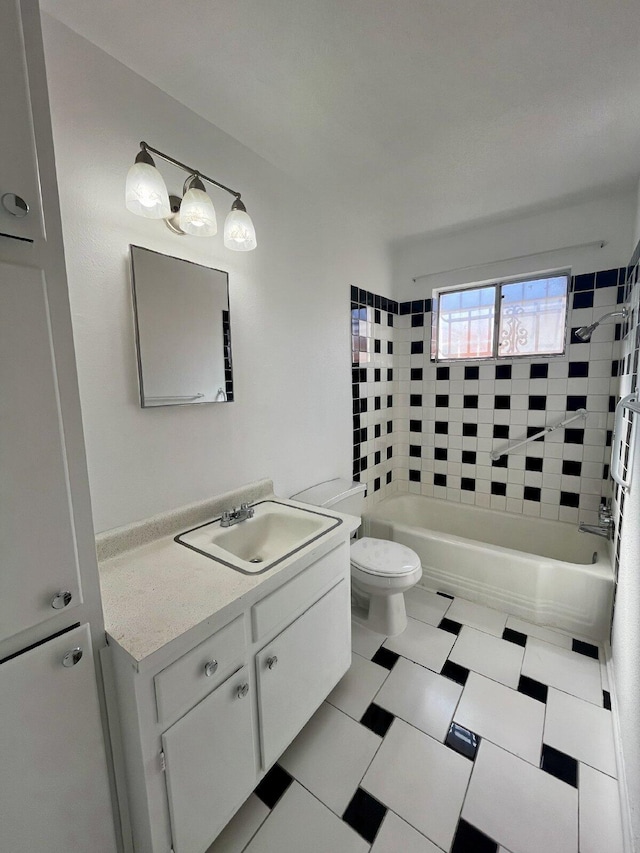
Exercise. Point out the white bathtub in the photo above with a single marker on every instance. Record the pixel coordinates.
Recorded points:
(539, 570)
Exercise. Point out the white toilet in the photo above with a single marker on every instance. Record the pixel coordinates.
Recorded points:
(381, 571)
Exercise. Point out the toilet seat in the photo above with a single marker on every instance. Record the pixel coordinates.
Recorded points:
(382, 558)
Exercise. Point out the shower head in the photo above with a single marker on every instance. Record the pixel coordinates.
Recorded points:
(584, 332)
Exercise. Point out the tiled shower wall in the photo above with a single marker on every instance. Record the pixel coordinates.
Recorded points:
(441, 421)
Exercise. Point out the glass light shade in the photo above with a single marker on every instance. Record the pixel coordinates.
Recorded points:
(146, 192)
(197, 214)
(239, 233)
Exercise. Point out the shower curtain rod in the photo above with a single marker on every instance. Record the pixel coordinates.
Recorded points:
(509, 448)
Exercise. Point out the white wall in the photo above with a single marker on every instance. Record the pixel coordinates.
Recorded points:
(289, 301)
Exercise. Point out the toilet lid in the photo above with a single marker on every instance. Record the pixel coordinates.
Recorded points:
(381, 557)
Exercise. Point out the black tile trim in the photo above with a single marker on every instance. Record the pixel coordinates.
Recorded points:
(587, 649)
(534, 689)
(377, 719)
(450, 626)
(560, 765)
(445, 595)
(516, 637)
(462, 740)
(606, 700)
(365, 814)
(385, 657)
(455, 672)
(273, 786)
(468, 839)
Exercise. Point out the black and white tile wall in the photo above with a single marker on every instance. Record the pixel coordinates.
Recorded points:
(446, 418)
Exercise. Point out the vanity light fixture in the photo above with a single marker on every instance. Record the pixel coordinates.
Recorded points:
(146, 195)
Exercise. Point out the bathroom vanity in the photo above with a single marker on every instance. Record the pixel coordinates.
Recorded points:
(212, 672)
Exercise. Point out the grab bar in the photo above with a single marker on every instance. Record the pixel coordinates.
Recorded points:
(496, 454)
(629, 402)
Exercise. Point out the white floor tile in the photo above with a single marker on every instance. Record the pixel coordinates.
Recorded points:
(330, 756)
(365, 642)
(421, 780)
(600, 821)
(420, 697)
(242, 827)
(564, 669)
(356, 690)
(503, 716)
(581, 730)
(539, 632)
(521, 807)
(426, 606)
(477, 616)
(422, 644)
(487, 655)
(396, 836)
(300, 822)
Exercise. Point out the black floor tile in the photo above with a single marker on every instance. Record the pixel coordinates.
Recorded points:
(273, 786)
(364, 814)
(445, 595)
(470, 840)
(606, 700)
(514, 637)
(533, 688)
(560, 765)
(455, 672)
(385, 657)
(463, 741)
(450, 626)
(377, 719)
(583, 648)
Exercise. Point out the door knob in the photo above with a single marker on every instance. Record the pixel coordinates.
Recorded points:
(72, 657)
(272, 662)
(61, 599)
(210, 667)
(242, 690)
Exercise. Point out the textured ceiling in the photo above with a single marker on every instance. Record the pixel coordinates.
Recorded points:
(424, 114)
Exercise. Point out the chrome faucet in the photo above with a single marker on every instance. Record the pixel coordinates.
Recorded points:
(605, 524)
(234, 516)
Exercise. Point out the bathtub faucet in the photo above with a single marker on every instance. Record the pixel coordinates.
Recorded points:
(604, 527)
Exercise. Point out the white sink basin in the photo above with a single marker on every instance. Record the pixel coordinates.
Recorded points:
(252, 546)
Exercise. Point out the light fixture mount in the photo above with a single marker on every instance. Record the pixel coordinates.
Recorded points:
(172, 222)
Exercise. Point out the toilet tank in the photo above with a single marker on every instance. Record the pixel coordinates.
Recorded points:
(339, 495)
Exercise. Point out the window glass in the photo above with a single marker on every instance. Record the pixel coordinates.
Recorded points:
(532, 317)
(466, 323)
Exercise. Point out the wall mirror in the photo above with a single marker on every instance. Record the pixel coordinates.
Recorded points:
(183, 332)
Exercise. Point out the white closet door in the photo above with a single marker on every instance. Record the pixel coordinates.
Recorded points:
(54, 790)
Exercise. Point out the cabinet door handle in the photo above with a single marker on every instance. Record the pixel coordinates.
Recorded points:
(210, 667)
(242, 690)
(61, 599)
(272, 662)
(72, 657)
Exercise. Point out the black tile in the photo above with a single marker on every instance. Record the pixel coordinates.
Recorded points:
(462, 740)
(574, 338)
(439, 479)
(470, 401)
(470, 430)
(376, 345)
(405, 308)
(514, 637)
(501, 431)
(389, 319)
(416, 374)
(389, 476)
(440, 453)
(377, 317)
(415, 399)
(503, 371)
(584, 282)
(471, 372)
(502, 401)
(571, 468)
(377, 403)
(498, 488)
(606, 700)
(539, 371)
(532, 688)
(575, 402)
(442, 373)
(573, 436)
(377, 457)
(560, 765)
(364, 814)
(376, 484)
(273, 786)
(468, 484)
(415, 450)
(441, 428)
(389, 427)
(389, 374)
(389, 347)
(377, 719)
(455, 672)
(537, 402)
(607, 278)
(468, 457)
(377, 431)
(442, 401)
(415, 426)
(417, 347)
(570, 499)
(532, 463)
(587, 649)
(445, 595)
(450, 626)
(389, 400)
(502, 462)
(414, 476)
(377, 376)
(389, 452)
(427, 305)
(583, 299)
(578, 368)
(417, 306)
(532, 493)
(417, 320)
(468, 839)
(385, 657)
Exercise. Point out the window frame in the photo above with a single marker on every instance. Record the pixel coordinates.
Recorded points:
(497, 285)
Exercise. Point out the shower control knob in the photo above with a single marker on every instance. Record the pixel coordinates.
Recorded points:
(72, 657)
(272, 662)
(15, 205)
(210, 667)
(242, 691)
(61, 599)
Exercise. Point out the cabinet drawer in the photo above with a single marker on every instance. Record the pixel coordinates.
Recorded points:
(279, 608)
(185, 681)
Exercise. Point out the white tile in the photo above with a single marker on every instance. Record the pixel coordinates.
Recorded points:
(420, 697)
(600, 822)
(298, 816)
(477, 616)
(241, 828)
(422, 644)
(520, 806)
(355, 692)
(564, 669)
(421, 780)
(581, 730)
(539, 632)
(488, 655)
(503, 716)
(396, 836)
(365, 642)
(426, 606)
(330, 755)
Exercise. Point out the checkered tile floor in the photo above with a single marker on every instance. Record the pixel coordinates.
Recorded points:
(472, 731)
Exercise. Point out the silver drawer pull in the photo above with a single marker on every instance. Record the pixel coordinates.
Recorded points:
(272, 662)
(210, 667)
(72, 657)
(61, 599)
(242, 690)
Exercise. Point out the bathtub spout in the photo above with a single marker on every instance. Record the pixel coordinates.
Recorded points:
(605, 524)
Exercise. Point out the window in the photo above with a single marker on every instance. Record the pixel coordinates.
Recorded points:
(501, 320)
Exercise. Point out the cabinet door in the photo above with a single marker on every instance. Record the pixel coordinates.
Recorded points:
(18, 169)
(210, 764)
(54, 793)
(298, 669)
(37, 544)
